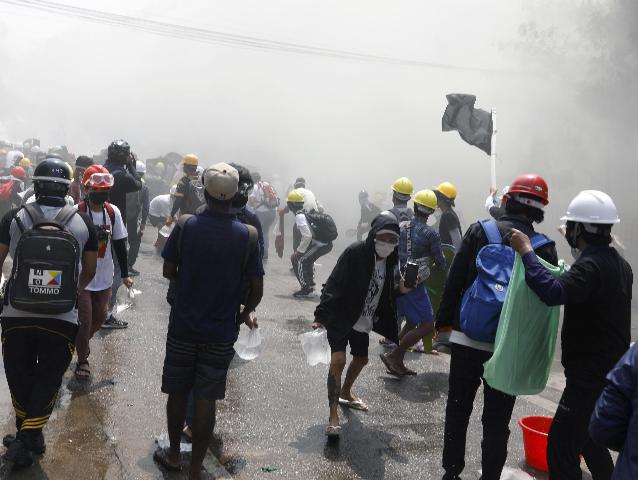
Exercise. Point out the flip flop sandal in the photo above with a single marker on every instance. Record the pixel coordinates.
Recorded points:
(408, 371)
(354, 404)
(161, 457)
(82, 373)
(391, 369)
(333, 431)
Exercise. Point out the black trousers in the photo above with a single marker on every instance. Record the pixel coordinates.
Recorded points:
(466, 374)
(569, 436)
(36, 354)
(304, 265)
(134, 241)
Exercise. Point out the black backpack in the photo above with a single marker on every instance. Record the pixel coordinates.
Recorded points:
(45, 271)
(323, 226)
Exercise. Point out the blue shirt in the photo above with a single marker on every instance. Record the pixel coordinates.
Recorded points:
(210, 273)
(425, 245)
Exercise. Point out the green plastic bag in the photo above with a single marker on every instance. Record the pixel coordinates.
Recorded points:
(525, 339)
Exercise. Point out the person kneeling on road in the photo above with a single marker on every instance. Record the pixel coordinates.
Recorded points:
(596, 330)
(358, 298)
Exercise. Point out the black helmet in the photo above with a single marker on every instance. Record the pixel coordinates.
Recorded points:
(83, 161)
(51, 180)
(245, 186)
(53, 170)
(119, 151)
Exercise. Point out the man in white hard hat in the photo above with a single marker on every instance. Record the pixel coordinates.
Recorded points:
(596, 330)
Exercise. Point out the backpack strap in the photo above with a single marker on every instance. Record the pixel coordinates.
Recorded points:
(181, 223)
(539, 241)
(110, 211)
(65, 215)
(253, 236)
(34, 211)
(493, 234)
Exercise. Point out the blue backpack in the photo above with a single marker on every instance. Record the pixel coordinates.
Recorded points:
(482, 303)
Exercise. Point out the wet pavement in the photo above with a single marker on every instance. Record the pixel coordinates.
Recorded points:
(272, 421)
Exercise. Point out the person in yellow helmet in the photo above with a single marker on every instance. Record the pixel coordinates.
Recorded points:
(418, 244)
(449, 224)
(402, 190)
(190, 190)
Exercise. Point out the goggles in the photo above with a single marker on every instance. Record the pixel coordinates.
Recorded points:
(104, 180)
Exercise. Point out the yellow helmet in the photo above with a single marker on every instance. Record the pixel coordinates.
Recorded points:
(403, 186)
(295, 197)
(426, 198)
(25, 163)
(190, 159)
(447, 189)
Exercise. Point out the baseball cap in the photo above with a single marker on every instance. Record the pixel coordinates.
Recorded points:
(221, 181)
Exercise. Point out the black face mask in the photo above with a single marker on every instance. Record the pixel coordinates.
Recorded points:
(98, 197)
(571, 234)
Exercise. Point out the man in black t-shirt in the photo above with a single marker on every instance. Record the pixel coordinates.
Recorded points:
(38, 347)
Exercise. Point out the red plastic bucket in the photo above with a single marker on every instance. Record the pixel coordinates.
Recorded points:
(535, 432)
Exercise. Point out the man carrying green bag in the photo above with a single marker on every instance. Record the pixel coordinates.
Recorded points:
(525, 339)
(596, 330)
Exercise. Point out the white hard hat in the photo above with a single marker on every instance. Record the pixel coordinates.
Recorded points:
(140, 167)
(592, 206)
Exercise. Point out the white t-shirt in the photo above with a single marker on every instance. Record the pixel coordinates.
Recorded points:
(104, 272)
(257, 198)
(366, 320)
(160, 206)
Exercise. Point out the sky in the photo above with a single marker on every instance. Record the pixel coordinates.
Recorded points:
(343, 124)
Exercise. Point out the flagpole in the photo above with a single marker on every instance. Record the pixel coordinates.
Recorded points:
(493, 155)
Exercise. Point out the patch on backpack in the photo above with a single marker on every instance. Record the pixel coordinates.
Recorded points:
(46, 282)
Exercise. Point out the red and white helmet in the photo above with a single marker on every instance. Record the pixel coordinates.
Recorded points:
(529, 189)
(96, 176)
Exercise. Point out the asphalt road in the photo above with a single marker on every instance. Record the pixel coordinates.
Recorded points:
(272, 421)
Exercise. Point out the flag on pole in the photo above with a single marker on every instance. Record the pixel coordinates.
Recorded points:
(473, 124)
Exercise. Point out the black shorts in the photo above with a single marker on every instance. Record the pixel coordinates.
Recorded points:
(358, 341)
(201, 367)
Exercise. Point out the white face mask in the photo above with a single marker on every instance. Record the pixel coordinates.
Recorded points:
(384, 249)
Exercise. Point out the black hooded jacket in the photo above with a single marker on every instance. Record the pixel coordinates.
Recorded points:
(344, 294)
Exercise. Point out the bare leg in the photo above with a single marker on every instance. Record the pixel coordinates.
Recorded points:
(175, 414)
(354, 370)
(409, 340)
(203, 425)
(337, 364)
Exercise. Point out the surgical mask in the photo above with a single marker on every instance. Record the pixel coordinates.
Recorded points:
(98, 197)
(384, 249)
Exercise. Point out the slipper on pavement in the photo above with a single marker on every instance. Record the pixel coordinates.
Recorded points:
(357, 404)
(391, 368)
(161, 457)
(333, 431)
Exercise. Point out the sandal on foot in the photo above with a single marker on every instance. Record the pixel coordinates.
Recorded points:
(357, 404)
(390, 366)
(333, 431)
(161, 457)
(82, 372)
(407, 371)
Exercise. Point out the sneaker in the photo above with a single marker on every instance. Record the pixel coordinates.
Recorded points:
(114, 323)
(132, 272)
(18, 455)
(304, 292)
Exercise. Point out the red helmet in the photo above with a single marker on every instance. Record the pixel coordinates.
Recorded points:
(96, 176)
(530, 185)
(18, 172)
